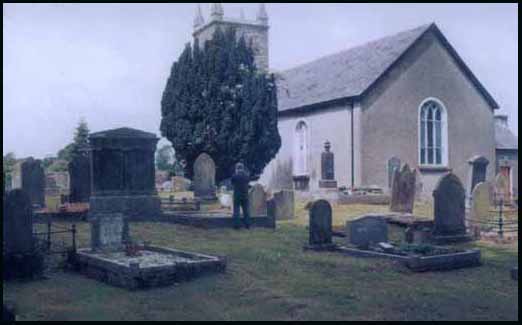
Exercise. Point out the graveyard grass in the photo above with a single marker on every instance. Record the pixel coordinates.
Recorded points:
(270, 277)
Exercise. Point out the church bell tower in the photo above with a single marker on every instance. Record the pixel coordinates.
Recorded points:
(253, 30)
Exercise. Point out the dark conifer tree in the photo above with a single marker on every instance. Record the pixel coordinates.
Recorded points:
(217, 101)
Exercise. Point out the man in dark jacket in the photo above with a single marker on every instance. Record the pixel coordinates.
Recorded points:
(240, 181)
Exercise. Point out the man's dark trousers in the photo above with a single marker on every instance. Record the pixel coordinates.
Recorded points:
(241, 202)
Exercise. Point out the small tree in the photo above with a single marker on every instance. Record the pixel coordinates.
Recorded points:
(165, 159)
(79, 145)
(217, 101)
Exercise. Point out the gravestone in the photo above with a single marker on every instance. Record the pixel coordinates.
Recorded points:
(204, 182)
(394, 164)
(109, 231)
(501, 191)
(320, 225)
(284, 202)
(479, 167)
(18, 222)
(480, 201)
(79, 179)
(367, 230)
(257, 201)
(327, 168)
(30, 177)
(20, 258)
(449, 210)
(403, 190)
(51, 188)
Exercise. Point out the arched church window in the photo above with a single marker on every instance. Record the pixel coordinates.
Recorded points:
(301, 149)
(433, 134)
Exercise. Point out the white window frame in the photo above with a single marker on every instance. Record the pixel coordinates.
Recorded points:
(444, 134)
(304, 170)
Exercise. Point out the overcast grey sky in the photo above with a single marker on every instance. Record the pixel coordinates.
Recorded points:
(109, 63)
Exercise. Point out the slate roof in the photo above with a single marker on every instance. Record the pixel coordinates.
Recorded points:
(352, 72)
(504, 138)
(123, 133)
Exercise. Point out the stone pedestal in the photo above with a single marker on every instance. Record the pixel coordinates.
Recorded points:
(327, 168)
(109, 231)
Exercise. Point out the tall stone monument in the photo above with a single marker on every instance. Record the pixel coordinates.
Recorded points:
(450, 210)
(123, 174)
(204, 182)
(403, 190)
(327, 168)
(80, 179)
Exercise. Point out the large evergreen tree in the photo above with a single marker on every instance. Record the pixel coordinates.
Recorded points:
(217, 101)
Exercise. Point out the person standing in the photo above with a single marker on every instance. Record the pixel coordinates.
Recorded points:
(240, 181)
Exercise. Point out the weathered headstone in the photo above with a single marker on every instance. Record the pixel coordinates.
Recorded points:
(80, 179)
(449, 210)
(109, 231)
(480, 201)
(327, 168)
(501, 188)
(367, 230)
(403, 190)
(30, 177)
(284, 205)
(18, 222)
(204, 182)
(320, 225)
(257, 201)
(394, 164)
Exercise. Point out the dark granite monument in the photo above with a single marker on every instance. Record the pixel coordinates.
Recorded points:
(320, 226)
(20, 258)
(449, 205)
(367, 230)
(80, 179)
(204, 182)
(327, 168)
(123, 174)
(403, 190)
(30, 177)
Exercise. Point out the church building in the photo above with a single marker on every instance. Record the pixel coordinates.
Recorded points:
(407, 98)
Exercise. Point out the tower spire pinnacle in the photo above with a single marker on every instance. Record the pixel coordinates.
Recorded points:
(262, 15)
(216, 11)
(198, 19)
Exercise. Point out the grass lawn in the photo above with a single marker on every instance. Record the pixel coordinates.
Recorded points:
(270, 277)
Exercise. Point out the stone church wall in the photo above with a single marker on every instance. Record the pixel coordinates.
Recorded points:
(391, 111)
